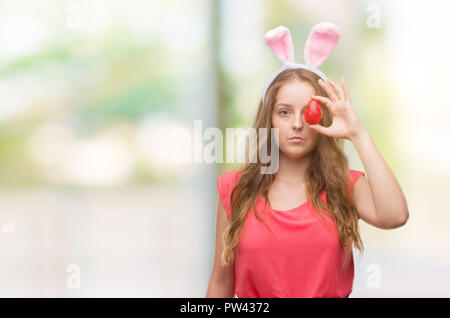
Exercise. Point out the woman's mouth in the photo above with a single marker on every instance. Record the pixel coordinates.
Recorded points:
(296, 139)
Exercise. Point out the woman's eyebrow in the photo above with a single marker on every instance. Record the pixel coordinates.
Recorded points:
(283, 104)
(286, 104)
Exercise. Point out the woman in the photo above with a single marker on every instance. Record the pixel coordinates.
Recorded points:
(301, 256)
(291, 233)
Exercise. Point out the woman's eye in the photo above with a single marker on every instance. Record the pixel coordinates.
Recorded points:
(283, 111)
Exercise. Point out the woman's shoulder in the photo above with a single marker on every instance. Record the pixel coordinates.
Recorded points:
(225, 184)
(229, 174)
(356, 173)
(228, 178)
(353, 177)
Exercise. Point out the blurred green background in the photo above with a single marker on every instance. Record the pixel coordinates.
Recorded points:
(91, 91)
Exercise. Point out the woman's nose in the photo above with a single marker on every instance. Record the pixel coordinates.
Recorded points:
(298, 120)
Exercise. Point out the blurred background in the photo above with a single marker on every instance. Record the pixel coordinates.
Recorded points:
(92, 203)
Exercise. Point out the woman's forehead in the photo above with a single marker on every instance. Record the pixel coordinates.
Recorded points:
(294, 94)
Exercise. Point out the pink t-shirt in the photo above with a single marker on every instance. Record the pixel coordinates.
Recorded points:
(302, 259)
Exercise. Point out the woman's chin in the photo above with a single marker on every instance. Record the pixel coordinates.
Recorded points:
(293, 154)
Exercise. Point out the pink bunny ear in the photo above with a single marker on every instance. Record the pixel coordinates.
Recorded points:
(280, 41)
(320, 43)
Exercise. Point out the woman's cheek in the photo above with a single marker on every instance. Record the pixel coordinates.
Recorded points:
(312, 141)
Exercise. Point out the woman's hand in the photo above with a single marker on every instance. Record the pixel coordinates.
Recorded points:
(345, 123)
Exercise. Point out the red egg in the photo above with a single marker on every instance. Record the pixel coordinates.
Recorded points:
(313, 112)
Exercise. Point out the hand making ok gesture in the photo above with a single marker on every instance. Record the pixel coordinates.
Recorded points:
(345, 123)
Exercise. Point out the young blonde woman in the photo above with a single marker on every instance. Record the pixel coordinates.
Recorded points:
(291, 233)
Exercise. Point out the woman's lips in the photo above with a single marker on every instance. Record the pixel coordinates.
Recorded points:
(296, 139)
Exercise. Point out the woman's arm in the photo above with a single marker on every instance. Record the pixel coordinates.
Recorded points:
(221, 282)
(379, 198)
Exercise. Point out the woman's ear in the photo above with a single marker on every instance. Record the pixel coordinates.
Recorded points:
(280, 41)
(320, 43)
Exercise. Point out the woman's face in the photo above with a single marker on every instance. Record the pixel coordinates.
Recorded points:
(287, 116)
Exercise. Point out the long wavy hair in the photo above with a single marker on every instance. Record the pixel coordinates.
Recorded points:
(328, 171)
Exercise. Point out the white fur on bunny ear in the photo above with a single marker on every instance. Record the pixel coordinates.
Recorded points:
(320, 43)
(280, 41)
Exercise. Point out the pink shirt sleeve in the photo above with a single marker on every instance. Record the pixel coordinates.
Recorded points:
(225, 184)
(355, 174)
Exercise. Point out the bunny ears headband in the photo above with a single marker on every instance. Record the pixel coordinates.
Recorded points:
(320, 43)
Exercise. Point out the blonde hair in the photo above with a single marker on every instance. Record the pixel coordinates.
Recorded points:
(328, 171)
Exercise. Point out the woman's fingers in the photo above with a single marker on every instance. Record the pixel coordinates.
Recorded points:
(326, 101)
(346, 92)
(337, 89)
(328, 90)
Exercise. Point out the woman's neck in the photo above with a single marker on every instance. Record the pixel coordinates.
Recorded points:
(292, 171)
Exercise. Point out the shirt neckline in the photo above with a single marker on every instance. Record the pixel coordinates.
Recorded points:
(293, 209)
(288, 210)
